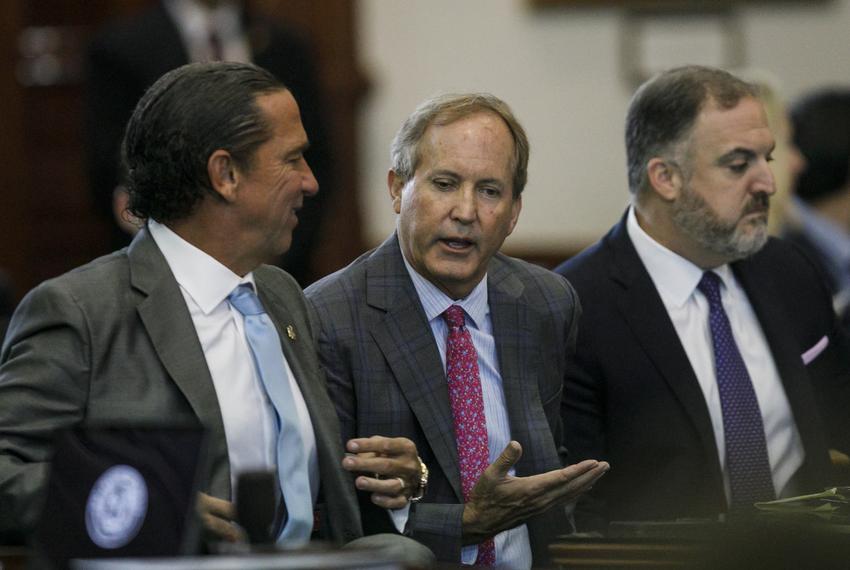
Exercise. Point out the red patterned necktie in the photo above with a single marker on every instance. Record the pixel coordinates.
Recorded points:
(468, 413)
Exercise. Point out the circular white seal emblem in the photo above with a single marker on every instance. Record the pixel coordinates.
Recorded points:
(116, 507)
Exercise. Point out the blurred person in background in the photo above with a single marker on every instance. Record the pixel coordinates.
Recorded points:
(128, 55)
(821, 209)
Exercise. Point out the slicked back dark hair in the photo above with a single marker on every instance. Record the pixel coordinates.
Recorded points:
(184, 117)
(822, 133)
(664, 109)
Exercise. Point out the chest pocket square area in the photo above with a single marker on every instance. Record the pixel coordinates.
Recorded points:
(813, 352)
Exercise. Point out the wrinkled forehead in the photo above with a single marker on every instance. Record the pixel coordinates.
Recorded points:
(484, 133)
(743, 124)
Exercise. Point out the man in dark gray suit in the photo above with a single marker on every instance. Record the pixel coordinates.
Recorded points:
(437, 337)
(155, 332)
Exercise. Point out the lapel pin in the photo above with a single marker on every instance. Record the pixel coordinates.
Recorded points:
(290, 332)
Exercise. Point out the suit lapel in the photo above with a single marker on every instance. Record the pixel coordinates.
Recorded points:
(644, 311)
(767, 304)
(406, 341)
(300, 353)
(167, 321)
(288, 312)
(515, 331)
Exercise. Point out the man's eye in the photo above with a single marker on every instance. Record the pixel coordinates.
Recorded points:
(491, 192)
(769, 157)
(442, 184)
(738, 167)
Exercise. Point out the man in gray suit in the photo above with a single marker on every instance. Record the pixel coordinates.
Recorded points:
(437, 337)
(155, 332)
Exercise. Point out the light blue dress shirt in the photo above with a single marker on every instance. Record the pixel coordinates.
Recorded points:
(513, 549)
(833, 242)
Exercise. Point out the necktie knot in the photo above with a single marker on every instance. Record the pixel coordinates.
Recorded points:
(245, 300)
(709, 285)
(454, 316)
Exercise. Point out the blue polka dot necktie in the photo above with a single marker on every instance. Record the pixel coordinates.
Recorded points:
(747, 463)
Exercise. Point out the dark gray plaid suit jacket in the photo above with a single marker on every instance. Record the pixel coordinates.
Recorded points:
(385, 375)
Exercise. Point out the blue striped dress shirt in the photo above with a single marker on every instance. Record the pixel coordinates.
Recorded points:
(513, 549)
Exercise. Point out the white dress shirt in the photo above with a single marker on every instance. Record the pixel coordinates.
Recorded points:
(197, 23)
(676, 280)
(248, 415)
(513, 549)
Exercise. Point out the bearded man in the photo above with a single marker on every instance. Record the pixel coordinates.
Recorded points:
(709, 370)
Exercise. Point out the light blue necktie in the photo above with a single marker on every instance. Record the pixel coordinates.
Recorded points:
(291, 463)
(747, 461)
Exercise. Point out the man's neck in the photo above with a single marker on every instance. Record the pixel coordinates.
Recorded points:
(658, 225)
(216, 242)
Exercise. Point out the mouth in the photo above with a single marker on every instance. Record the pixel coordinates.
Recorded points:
(760, 204)
(457, 244)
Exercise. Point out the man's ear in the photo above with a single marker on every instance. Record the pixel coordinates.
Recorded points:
(224, 175)
(395, 185)
(665, 178)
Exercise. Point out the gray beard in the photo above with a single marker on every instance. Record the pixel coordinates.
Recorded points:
(695, 218)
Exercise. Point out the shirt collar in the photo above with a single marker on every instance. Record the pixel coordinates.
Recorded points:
(198, 21)
(435, 302)
(674, 276)
(207, 281)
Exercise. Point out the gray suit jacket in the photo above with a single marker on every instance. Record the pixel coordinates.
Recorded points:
(385, 375)
(113, 342)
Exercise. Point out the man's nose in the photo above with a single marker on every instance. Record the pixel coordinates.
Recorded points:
(309, 184)
(465, 206)
(764, 182)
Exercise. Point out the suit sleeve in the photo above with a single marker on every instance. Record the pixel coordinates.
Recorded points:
(44, 384)
(583, 414)
(437, 526)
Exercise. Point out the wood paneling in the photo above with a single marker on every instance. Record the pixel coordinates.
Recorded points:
(48, 225)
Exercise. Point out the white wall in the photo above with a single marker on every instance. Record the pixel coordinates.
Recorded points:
(560, 71)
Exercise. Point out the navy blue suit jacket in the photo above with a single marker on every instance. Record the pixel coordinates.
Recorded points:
(632, 398)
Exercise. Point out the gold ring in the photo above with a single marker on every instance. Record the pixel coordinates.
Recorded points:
(400, 480)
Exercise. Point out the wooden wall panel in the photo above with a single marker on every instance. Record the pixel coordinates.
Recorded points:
(47, 225)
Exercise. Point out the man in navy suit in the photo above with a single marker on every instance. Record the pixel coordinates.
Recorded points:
(709, 368)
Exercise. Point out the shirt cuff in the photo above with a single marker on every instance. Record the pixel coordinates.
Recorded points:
(400, 517)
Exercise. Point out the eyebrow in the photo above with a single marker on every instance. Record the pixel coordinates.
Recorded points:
(453, 174)
(299, 150)
(740, 152)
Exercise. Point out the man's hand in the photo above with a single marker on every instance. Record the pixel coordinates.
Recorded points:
(217, 516)
(390, 468)
(499, 501)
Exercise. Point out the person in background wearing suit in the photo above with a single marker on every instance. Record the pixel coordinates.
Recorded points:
(128, 55)
(709, 369)
(188, 325)
(821, 224)
(436, 337)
